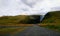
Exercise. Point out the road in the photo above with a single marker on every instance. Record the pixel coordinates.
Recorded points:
(37, 31)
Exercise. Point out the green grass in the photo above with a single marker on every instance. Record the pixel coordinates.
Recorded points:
(11, 31)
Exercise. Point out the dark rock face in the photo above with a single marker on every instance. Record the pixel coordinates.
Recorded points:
(35, 19)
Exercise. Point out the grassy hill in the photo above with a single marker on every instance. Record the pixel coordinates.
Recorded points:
(21, 19)
(52, 17)
(52, 20)
(11, 19)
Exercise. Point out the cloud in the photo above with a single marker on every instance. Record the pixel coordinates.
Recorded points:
(28, 7)
(30, 3)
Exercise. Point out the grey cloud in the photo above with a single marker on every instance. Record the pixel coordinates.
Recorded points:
(25, 9)
(29, 3)
(55, 9)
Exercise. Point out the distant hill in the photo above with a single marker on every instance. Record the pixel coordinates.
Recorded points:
(20, 19)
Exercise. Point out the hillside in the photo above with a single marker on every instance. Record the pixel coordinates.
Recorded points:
(51, 20)
(21, 19)
(52, 17)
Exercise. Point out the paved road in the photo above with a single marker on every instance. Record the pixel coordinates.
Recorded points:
(37, 31)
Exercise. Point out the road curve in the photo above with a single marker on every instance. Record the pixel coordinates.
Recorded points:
(37, 31)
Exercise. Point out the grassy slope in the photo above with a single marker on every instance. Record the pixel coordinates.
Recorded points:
(11, 19)
(11, 31)
(52, 17)
(52, 20)
(21, 19)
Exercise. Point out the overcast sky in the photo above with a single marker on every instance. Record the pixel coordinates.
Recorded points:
(28, 7)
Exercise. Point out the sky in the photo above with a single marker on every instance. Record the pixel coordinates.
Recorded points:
(28, 7)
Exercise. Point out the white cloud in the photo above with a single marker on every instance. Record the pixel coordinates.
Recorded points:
(28, 7)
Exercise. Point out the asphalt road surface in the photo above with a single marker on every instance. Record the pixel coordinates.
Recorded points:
(37, 31)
